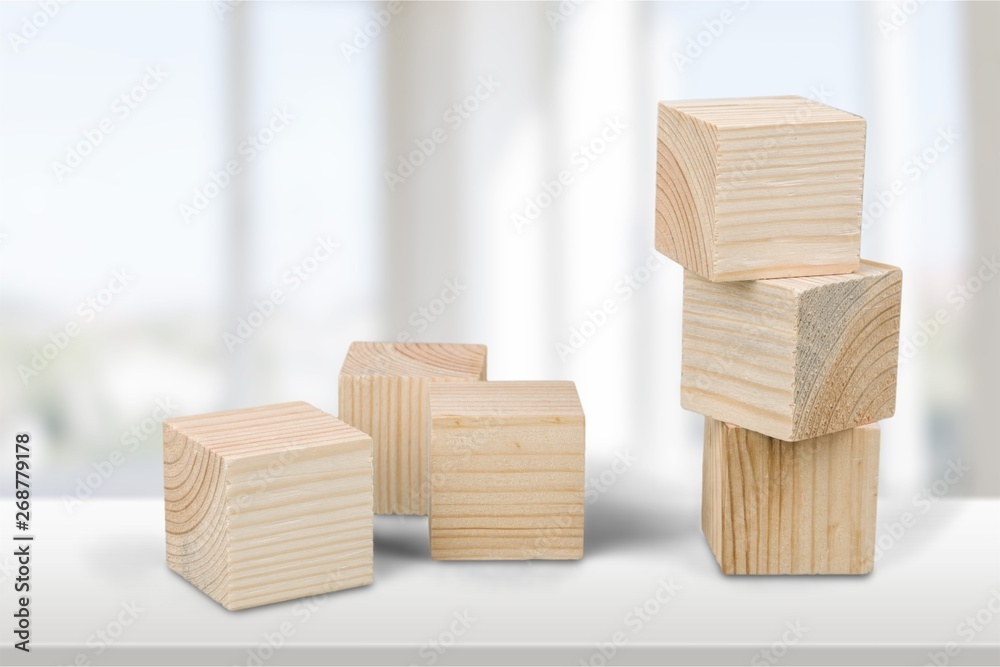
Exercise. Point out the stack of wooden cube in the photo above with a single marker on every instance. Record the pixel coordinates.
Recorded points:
(789, 339)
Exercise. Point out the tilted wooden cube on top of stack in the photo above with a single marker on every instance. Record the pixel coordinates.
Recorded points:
(790, 340)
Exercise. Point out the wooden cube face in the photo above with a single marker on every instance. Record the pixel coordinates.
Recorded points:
(383, 392)
(268, 504)
(759, 188)
(507, 471)
(773, 507)
(793, 358)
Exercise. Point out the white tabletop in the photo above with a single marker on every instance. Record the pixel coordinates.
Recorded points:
(108, 553)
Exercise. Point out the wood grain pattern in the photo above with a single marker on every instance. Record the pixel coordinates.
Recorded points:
(759, 188)
(383, 392)
(775, 507)
(268, 504)
(793, 358)
(507, 471)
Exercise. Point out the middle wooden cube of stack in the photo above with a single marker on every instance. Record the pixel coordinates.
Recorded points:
(793, 358)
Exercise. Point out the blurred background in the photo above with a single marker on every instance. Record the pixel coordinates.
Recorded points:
(203, 204)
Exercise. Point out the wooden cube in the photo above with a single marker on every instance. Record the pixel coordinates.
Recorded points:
(268, 504)
(383, 392)
(766, 187)
(775, 507)
(507, 471)
(793, 358)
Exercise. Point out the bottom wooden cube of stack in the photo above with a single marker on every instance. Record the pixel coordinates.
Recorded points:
(804, 507)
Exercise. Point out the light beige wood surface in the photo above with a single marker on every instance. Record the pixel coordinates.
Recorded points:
(507, 471)
(754, 188)
(268, 504)
(383, 392)
(793, 358)
(774, 507)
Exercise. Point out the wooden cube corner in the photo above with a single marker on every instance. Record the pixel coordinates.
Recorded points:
(268, 504)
